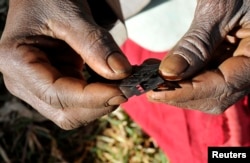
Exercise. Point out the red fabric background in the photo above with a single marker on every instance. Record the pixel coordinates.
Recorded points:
(184, 135)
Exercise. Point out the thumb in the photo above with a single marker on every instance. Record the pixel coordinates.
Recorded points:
(212, 21)
(95, 45)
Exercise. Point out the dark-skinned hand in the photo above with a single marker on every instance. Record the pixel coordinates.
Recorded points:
(212, 60)
(43, 50)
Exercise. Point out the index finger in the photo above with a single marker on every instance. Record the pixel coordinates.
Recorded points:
(48, 84)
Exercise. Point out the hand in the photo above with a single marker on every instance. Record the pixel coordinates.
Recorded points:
(44, 48)
(212, 60)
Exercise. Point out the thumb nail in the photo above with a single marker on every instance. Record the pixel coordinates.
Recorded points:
(173, 66)
(117, 100)
(119, 63)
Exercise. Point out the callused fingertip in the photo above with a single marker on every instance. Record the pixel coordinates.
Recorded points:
(117, 100)
(119, 64)
(173, 66)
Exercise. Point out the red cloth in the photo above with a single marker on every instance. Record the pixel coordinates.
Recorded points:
(184, 135)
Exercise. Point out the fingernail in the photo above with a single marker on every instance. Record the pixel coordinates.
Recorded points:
(173, 66)
(117, 100)
(119, 63)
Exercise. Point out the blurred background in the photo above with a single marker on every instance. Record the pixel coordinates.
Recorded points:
(26, 136)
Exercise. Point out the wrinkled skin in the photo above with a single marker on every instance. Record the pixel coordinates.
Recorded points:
(212, 60)
(43, 50)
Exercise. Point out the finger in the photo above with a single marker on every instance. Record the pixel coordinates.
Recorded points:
(198, 93)
(212, 21)
(211, 91)
(71, 22)
(60, 91)
(58, 52)
(65, 118)
(70, 93)
(243, 48)
(243, 33)
(74, 117)
(95, 45)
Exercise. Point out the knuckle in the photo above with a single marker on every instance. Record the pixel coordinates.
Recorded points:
(51, 99)
(11, 87)
(197, 42)
(215, 110)
(67, 123)
(100, 37)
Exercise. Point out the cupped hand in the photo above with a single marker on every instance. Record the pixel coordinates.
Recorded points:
(44, 49)
(212, 60)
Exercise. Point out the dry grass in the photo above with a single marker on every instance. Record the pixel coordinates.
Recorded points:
(123, 141)
(26, 137)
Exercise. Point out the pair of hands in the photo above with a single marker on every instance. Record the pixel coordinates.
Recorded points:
(46, 44)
